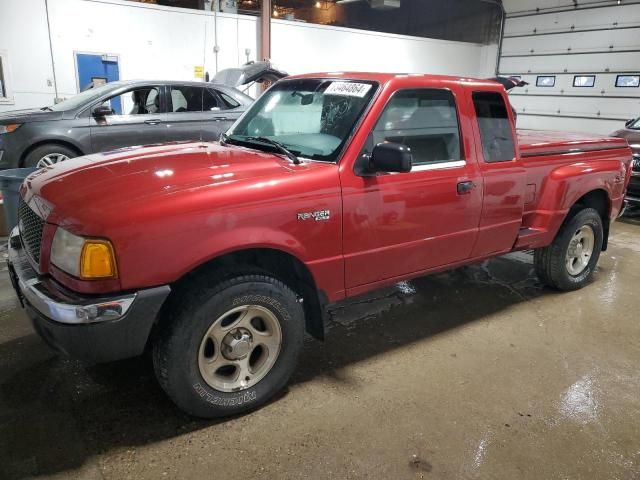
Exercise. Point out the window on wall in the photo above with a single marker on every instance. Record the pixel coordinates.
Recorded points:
(546, 81)
(495, 127)
(424, 120)
(584, 81)
(626, 81)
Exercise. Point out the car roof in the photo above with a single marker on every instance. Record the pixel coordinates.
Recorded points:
(122, 83)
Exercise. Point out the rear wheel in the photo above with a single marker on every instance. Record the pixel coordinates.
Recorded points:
(48, 154)
(568, 263)
(229, 348)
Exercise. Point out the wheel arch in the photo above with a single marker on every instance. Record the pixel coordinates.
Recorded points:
(599, 200)
(52, 141)
(282, 265)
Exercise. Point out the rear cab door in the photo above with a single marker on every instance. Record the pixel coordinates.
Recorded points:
(401, 224)
(504, 175)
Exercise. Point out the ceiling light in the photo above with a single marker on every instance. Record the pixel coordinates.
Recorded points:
(318, 4)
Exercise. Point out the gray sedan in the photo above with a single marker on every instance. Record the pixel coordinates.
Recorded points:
(115, 115)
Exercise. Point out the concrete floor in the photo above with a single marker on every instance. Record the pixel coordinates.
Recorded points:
(476, 373)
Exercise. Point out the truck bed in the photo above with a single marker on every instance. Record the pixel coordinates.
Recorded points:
(537, 143)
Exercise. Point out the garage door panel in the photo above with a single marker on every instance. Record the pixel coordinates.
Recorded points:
(610, 17)
(575, 63)
(555, 122)
(596, 107)
(578, 42)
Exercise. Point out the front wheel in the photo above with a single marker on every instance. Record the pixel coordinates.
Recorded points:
(48, 154)
(229, 348)
(568, 263)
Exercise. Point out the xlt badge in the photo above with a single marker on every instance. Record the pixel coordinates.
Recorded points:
(318, 216)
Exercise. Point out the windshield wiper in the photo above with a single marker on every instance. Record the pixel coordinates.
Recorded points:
(47, 109)
(224, 138)
(281, 148)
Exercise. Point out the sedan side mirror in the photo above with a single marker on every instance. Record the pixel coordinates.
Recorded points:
(391, 157)
(102, 111)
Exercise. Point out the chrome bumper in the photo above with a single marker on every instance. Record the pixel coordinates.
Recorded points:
(89, 327)
(49, 299)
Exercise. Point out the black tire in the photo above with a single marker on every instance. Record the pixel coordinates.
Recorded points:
(177, 344)
(550, 262)
(34, 156)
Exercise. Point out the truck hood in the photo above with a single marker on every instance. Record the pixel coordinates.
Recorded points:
(29, 115)
(85, 192)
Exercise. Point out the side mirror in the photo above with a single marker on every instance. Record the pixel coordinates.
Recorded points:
(390, 157)
(102, 111)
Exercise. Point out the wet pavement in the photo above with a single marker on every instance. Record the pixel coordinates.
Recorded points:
(475, 373)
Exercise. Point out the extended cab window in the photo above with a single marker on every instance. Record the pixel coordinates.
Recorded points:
(495, 127)
(424, 120)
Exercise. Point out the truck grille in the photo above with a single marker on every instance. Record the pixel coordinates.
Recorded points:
(30, 225)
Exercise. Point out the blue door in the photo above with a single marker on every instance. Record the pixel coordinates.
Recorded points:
(94, 69)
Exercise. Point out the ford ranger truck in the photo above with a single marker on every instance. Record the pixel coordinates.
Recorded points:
(219, 257)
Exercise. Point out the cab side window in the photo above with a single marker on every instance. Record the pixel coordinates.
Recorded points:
(495, 127)
(426, 121)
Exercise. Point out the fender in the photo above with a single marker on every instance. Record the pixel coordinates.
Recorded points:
(565, 186)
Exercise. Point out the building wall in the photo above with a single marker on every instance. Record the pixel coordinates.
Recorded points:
(304, 47)
(556, 38)
(151, 41)
(29, 75)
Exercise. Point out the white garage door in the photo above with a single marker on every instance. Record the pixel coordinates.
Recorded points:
(581, 59)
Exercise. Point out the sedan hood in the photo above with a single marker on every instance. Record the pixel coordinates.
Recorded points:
(85, 193)
(29, 115)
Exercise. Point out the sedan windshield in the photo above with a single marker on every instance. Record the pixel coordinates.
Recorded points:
(312, 118)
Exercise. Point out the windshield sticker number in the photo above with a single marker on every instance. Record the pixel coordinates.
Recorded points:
(349, 89)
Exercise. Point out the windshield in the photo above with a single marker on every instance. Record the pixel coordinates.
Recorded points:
(80, 99)
(310, 117)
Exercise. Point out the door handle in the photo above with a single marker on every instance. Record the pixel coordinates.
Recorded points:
(465, 187)
(153, 121)
(220, 119)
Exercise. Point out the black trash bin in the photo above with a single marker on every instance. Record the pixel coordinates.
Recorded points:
(10, 181)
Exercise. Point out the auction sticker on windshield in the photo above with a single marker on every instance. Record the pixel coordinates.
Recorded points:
(350, 89)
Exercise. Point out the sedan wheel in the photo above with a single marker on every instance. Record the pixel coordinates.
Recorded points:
(51, 159)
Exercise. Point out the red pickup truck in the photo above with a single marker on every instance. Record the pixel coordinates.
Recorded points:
(219, 256)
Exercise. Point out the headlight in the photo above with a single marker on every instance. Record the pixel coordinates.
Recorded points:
(9, 127)
(85, 258)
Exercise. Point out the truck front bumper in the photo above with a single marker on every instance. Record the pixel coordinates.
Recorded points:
(89, 327)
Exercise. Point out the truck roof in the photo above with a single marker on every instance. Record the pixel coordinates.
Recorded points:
(388, 77)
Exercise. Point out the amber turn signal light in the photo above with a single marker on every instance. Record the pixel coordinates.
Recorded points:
(97, 260)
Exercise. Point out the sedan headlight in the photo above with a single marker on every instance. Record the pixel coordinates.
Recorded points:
(85, 258)
(8, 128)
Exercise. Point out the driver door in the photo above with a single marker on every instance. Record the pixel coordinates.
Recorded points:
(400, 224)
(138, 118)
